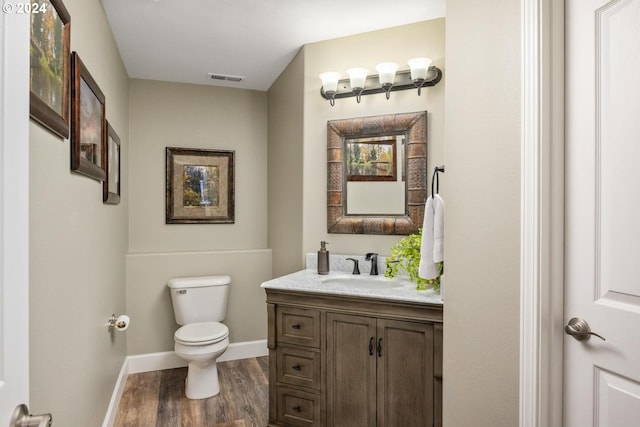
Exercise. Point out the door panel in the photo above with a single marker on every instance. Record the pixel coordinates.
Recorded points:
(618, 400)
(351, 371)
(14, 213)
(602, 205)
(405, 374)
(618, 142)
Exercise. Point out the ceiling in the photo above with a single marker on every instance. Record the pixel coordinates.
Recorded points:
(185, 40)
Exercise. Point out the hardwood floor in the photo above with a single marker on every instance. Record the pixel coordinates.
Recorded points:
(157, 398)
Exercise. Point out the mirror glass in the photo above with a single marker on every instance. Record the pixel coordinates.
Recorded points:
(376, 174)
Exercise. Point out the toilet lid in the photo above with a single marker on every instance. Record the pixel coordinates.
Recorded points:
(201, 333)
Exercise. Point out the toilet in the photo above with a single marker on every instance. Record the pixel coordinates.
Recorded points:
(199, 305)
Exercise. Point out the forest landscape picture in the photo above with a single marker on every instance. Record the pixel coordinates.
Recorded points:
(90, 125)
(49, 65)
(200, 186)
(369, 160)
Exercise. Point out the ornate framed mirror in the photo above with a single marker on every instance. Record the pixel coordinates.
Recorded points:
(377, 174)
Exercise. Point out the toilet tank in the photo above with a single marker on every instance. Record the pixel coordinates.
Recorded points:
(199, 299)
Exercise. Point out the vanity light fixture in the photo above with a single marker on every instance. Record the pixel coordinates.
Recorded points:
(330, 85)
(419, 71)
(421, 74)
(357, 79)
(387, 75)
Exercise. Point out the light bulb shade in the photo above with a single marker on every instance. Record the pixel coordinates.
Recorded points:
(330, 81)
(419, 68)
(387, 72)
(357, 77)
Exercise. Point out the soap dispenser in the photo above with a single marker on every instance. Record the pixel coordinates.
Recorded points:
(323, 258)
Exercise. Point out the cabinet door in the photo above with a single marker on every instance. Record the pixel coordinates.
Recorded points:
(351, 371)
(405, 374)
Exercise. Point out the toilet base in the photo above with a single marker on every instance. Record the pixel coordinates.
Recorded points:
(202, 381)
(202, 377)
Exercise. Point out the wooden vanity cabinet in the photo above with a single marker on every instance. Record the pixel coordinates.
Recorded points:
(379, 372)
(341, 361)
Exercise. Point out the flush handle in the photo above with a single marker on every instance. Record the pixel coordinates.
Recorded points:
(22, 418)
(580, 330)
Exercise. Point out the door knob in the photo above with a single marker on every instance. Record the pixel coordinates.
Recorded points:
(22, 418)
(580, 330)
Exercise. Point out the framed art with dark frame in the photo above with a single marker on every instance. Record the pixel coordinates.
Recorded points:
(199, 186)
(88, 123)
(49, 63)
(111, 184)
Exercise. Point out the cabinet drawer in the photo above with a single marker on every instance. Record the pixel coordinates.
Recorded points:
(298, 408)
(298, 367)
(298, 326)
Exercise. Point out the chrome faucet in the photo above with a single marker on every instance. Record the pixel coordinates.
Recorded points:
(373, 257)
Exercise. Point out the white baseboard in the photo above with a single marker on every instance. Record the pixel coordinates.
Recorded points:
(112, 410)
(245, 350)
(170, 360)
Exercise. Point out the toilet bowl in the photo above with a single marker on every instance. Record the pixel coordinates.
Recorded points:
(199, 304)
(200, 344)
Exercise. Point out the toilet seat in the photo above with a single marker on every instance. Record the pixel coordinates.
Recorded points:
(203, 333)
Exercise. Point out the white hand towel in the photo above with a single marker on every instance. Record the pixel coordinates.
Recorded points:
(432, 244)
(438, 229)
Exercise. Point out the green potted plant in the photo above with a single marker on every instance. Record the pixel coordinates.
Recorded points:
(405, 255)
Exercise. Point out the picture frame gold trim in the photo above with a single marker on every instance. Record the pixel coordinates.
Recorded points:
(200, 186)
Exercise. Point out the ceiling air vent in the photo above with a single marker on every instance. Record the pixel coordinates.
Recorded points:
(227, 77)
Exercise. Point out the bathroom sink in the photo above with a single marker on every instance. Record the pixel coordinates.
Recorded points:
(363, 282)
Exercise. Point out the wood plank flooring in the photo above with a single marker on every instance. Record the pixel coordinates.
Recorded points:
(157, 398)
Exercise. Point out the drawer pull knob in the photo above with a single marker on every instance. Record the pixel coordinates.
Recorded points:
(297, 326)
(296, 367)
(297, 408)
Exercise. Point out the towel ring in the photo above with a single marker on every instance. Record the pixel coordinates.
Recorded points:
(435, 179)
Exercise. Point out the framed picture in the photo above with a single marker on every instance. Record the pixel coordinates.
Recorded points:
(200, 186)
(371, 159)
(49, 57)
(88, 123)
(111, 184)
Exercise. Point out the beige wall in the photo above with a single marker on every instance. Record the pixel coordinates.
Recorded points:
(286, 151)
(195, 116)
(149, 302)
(482, 152)
(394, 44)
(77, 247)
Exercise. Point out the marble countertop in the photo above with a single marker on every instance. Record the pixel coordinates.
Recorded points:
(310, 281)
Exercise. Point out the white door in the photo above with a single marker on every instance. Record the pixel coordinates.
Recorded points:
(602, 252)
(14, 212)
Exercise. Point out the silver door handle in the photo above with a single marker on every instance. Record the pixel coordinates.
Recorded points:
(580, 330)
(22, 418)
